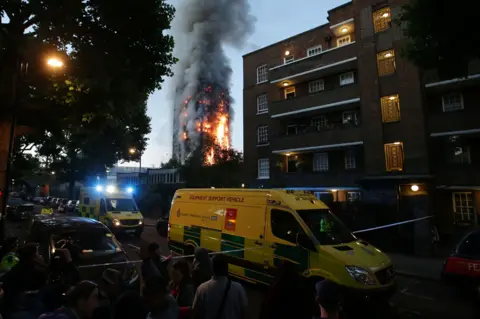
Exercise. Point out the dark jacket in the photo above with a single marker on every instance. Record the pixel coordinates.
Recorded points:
(202, 267)
(184, 294)
(61, 313)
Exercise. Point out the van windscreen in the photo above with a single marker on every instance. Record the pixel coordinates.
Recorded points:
(121, 204)
(328, 229)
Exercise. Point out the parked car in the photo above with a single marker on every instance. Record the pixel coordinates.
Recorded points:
(71, 205)
(62, 206)
(18, 209)
(89, 241)
(76, 206)
(462, 267)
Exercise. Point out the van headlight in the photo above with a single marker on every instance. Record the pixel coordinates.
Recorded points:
(361, 275)
(115, 222)
(140, 222)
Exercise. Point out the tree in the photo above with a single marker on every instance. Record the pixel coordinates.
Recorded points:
(117, 55)
(432, 43)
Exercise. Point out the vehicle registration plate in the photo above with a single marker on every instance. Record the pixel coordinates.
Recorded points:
(130, 230)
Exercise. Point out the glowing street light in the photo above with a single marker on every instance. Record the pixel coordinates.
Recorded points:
(132, 151)
(55, 62)
(53, 173)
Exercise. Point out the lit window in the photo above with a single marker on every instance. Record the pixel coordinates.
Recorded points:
(353, 196)
(262, 135)
(316, 86)
(320, 122)
(262, 74)
(390, 109)
(382, 20)
(347, 78)
(262, 104)
(263, 168)
(320, 162)
(350, 117)
(346, 39)
(314, 50)
(452, 102)
(288, 59)
(394, 157)
(350, 160)
(460, 155)
(463, 208)
(289, 92)
(386, 62)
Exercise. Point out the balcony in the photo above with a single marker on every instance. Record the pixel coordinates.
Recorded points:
(335, 136)
(338, 98)
(458, 176)
(433, 81)
(332, 61)
(314, 179)
(445, 122)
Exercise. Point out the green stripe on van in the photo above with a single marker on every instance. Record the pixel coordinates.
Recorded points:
(192, 234)
(232, 242)
(297, 255)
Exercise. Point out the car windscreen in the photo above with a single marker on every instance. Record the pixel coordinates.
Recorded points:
(25, 208)
(327, 228)
(91, 240)
(121, 204)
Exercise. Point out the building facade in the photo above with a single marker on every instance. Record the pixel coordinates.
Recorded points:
(151, 176)
(339, 111)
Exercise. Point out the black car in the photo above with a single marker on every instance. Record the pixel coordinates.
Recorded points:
(18, 209)
(90, 243)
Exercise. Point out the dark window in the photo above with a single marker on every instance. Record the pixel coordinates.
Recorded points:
(88, 241)
(86, 201)
(285, 226)
(471, 245)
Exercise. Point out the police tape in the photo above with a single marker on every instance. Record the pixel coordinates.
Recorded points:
(173, 258)
(391, 225)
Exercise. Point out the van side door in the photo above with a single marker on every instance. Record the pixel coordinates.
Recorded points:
(281, 234)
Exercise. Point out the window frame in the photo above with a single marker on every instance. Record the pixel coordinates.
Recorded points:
(469, 197)
(390, 108)
(380, 23)
(288, 59)
(340, 79)
(265, 104)
(291, 125)
(389, 149)
(262, 134)
(466, 156)
(272, 223)
(313, 49)
(353, 199)
(320, 119)
(266, 162)
(350, 161)
(321, 83)
(292, 90)
(259, 74)
(343, 37)
(355, 117)
(449, 109)
(386, 65)
(323, 167)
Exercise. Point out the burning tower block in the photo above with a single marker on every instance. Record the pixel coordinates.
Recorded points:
(203, 122)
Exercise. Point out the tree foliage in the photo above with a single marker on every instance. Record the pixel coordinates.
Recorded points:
(439, 35)
(89, 114)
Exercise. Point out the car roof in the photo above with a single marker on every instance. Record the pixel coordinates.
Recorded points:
(68, 222)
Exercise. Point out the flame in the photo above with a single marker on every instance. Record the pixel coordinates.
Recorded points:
(215, 126)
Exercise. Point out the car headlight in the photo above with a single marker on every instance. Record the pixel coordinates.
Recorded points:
(361, 275)
(115, 222)
(140, 222)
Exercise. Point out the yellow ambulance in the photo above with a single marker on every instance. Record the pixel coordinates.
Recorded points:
(263, 228)
(115, 207)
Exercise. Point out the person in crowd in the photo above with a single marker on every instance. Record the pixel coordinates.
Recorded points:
(82, 300)
(110, 288)
(289, 295)
(220, 298)
(161, 263)
(152, 263)
(129, 305)
(27, 276)
(161, 303)
(182, 287)
(8, 253)
(329, 299)
(202, 267)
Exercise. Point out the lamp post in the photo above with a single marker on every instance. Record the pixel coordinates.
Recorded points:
(134, 151)
(21, 74)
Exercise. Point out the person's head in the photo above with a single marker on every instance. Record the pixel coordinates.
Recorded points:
(149, 250)
(220, 266)
(180, 271)
(201, 255)
(155, 291)
(129, 306)
(329, 296)
(83, 298)
(28, 253)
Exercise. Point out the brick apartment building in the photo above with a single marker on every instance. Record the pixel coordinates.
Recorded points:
(339, 111)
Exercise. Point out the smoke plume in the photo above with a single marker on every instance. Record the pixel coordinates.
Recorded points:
(201, 29)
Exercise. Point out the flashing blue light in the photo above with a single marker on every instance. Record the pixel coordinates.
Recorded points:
(130, 190)
(99, 188)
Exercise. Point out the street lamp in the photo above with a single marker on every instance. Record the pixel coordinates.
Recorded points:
(54, 62)
(53, 173)
(134, 151)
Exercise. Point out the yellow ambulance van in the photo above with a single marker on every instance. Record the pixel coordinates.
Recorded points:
(262, 228)
(112, 206)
